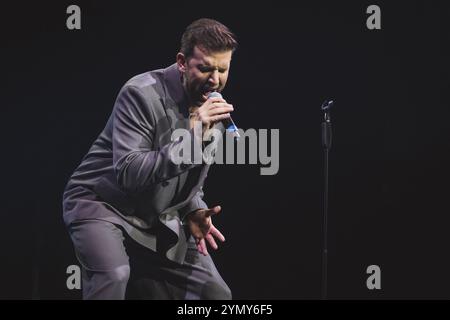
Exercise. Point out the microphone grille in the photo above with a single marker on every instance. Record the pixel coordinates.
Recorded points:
(214, 94)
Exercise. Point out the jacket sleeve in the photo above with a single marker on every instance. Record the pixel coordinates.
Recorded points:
(194, 204)
(136, 163)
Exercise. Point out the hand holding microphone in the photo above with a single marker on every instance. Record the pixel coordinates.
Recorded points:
(227, 122)
(216, 109)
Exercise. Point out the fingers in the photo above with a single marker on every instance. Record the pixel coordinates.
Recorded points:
(211, 241)
(220, 109)
(218, 112)
(213, 110)
(219, 117)
(216, 233)
(206, 118)
(201, 247)
(216, 99)
(213, 211)
(213, 103)
(216, 105)
(201, 243)
(209, 232)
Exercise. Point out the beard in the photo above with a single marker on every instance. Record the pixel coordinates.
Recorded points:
(196, 91)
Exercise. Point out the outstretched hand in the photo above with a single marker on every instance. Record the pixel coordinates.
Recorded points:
(201, 228)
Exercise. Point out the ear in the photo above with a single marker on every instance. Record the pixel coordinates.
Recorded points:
(181, 62)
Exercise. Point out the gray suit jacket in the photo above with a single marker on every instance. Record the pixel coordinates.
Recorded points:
(128, 178)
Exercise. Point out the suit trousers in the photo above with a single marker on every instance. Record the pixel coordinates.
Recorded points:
(114, 267)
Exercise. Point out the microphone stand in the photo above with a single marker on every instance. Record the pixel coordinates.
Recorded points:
(326, 144)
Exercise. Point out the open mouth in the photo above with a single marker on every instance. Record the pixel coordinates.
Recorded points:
(205, 95)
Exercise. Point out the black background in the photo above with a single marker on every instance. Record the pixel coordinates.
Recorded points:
(388, 165)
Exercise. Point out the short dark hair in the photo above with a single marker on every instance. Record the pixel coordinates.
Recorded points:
(208, 34)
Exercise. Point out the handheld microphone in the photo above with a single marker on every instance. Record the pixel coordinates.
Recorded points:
(228, 123)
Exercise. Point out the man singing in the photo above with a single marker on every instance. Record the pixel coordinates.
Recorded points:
(136, 218)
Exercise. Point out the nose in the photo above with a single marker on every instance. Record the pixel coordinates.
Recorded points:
(214, 78)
